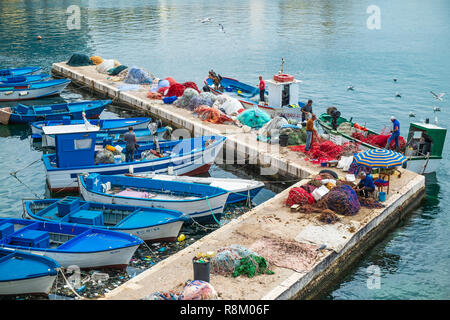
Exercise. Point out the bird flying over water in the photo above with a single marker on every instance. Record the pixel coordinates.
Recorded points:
(412, 114)
(351, 88)
(221, 28)
(438, 96)
(398, 95)
(206, 20)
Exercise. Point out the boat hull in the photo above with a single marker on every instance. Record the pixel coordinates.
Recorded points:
(38, 286)
(28, 94)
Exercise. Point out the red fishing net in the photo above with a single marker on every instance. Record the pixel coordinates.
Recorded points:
(175, 90)
(299, 196)
(212, 115)
(192, 85)
(380, 140)
(327, 150)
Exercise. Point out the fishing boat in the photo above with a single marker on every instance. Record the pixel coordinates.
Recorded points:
(424, 143)
(27, 114)
(282, 94)
(18, 71)
(17, 80)
(69, 244)
(149, 224)
(32, 90)
(239, 189)
(76, 152)
(25, 273)
(202, 203)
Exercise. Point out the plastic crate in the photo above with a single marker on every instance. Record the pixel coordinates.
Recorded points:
(336, 139)
(67, 205)
(31, 238)
(87, 217)
(6, 229)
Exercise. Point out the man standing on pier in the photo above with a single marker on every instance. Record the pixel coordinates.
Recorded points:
(262, 89)
(310, 131)
(130, 139)
(395, 134)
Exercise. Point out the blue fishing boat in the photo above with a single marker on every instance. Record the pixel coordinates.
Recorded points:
(149, 224)
(32, 90)
(25, 273)
(17, 80)
(202, 203)
(76, 152)
(69, 243)
(27, 114)
(281, 95)
(18, 71)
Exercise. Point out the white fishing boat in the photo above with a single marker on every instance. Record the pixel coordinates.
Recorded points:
(239, 189)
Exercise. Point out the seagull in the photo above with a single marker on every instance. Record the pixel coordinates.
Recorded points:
(398, 95)
(395, 79)
(412, 114)
(206, 20)
(438, 96)
(221, 28)
(350, 88)
(435, 109)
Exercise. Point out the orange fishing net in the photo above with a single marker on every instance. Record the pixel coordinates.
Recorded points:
(212, 115)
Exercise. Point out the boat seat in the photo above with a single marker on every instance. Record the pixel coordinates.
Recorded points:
(6, 229)
(43, 110)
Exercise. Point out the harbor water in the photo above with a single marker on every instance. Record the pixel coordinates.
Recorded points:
(329, 45)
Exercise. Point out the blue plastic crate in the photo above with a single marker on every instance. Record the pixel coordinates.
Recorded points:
(31, 238)
(88, 217)
(67, 205)
(6, 229)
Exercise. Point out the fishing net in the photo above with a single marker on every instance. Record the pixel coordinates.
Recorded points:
(191, 85)
(252, 265)
(299, 196)
(370, 203)
(198, 290)
(104, 156)
(79, 60)
(154, 95)
(96, 59)
(328, 216)
(184, 100)
(200, 100)
(356, 168)
(157, 295)
(380, 140)
(343, 200)
(273, 127)
(138, 76)
(116, 70)
(106, 65)
(345, 127)
(231, 106)
(226, 261)
(212, 115)
(254, 118)
(176, 89)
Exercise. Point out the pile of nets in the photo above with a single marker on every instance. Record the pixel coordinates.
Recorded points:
(356, 168)
(115, 71)
(212, 115)
(203, 99)
(191, 85)
(104, 156)
(272, 128)
(231, 106)
(299, 195)
(254, 118)
(138, 76)
(328, 216)
(327, 150)
(238, 260)
(96, 59)
(343, 200)
(194, 290)
(175, 89)
(296, 136)
(107, 65)
(185, 99)
(79, 60)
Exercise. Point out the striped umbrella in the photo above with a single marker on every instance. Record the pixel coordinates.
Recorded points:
(379, 158)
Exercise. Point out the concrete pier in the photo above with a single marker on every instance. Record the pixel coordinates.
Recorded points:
(272, 220)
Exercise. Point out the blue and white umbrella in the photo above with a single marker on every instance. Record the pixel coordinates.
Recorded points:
(379, 158)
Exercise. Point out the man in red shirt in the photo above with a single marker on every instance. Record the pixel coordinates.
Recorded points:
(262, 88)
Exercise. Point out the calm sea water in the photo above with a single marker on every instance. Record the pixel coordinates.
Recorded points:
(326, 44)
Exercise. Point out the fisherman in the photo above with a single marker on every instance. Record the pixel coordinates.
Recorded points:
(365, 186)
(395, 134)
(310, 131)
(306, 110)
(216, 79)
(262, 89)
(130, 139)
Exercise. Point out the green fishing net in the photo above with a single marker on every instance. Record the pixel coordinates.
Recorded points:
(252, 265)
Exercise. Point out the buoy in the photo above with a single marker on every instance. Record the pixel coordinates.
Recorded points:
(283, 77)
(181, 237)
(39, 37)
